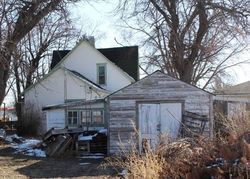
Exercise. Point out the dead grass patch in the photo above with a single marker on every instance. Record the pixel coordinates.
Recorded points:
(227, 156)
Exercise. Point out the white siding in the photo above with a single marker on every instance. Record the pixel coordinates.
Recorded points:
(48, 91)
(51, 91)
(55, 118)
(84, 60)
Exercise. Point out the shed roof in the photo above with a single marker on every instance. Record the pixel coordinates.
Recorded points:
(158, 71)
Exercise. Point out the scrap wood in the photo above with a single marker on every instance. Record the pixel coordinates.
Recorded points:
(55, 146)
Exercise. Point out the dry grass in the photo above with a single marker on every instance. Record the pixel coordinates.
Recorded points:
(237, 124)
(194, 158)
(146, 166)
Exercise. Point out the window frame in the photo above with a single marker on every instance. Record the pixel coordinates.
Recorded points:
(102, 114)
(89, 117)
(72, 118)
(98, 65)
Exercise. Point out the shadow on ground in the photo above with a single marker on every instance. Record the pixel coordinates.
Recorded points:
(70, 167)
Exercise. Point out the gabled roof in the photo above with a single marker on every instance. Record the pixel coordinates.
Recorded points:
(59, 56)
(158, 71)
(125, 58)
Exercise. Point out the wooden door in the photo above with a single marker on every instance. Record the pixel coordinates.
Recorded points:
(156, 119)
(171, 116)
(149, 119)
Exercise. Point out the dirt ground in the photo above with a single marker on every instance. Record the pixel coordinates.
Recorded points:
(22, 166)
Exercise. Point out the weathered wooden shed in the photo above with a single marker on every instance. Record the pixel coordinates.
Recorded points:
(157, 104)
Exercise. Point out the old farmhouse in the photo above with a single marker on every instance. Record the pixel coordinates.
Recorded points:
(96, 89)
(77, 79)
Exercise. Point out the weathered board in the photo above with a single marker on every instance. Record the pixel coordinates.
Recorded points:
(156, 88)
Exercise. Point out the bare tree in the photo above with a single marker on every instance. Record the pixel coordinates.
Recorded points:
(33, 53)
(193, 40)
(17, 19)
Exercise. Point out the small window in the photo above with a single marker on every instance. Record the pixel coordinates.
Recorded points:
(85, 116)
(72, 117)
(101, 74)
(97, 117)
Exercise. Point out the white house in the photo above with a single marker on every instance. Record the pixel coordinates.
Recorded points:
(71, 93)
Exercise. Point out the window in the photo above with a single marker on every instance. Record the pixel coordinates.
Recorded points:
(92, 117)
(97, 117)
(85, 116)
(72, 117)
(101, 74)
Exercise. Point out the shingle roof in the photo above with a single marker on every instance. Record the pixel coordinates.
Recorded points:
(57, 56)
(124, 57)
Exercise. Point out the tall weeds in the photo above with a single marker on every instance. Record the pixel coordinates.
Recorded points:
(224, 157)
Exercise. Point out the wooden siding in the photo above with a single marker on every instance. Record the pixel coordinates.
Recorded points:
(157, 88)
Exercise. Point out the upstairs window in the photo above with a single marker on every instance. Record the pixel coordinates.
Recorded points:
(101, 74)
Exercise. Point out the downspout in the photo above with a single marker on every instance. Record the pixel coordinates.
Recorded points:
(211, 116)
(65, 85)
(65, 96)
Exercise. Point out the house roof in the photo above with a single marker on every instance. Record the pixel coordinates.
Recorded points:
(60, 55)
(57, 56)
(125, 58)
(242, 88)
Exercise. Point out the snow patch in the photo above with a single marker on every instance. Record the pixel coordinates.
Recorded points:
(84, 163)
(25, 146)
(2, 133)
(86, 138)
(91, 157)
(103, 131)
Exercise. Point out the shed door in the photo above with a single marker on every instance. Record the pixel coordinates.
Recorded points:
(149, 120)
(171, 115)
(156, 119)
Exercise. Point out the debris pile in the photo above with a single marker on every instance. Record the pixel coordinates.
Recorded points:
(59, 142)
